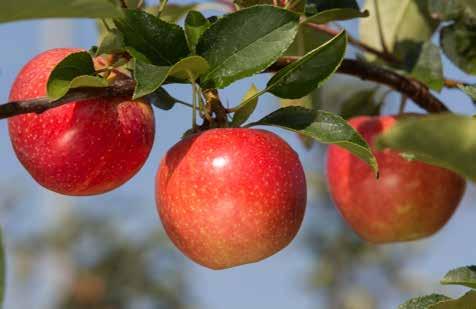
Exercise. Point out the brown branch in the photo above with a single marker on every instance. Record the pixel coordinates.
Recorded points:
(412, 88)
(122, 87)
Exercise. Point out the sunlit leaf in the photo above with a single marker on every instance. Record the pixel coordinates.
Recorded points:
(325, 127)
(74, 71)
(236, 47)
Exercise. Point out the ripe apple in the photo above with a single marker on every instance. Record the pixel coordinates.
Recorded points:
(81, 148)
(228, 197)
(410, 200)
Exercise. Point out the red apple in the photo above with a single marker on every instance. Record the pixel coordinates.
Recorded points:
(410, 200)
(81, 148)
(228, 197)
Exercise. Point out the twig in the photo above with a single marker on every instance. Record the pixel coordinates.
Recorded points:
(122, 87)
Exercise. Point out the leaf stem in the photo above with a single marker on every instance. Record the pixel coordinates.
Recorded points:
(194, 105)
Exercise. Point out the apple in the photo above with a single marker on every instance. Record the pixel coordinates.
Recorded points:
(410, 200)
(81, 148)
(231, 196)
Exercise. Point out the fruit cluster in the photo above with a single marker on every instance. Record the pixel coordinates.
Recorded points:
(226, 196)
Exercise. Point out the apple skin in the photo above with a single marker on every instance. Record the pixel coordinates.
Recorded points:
(228, 197)
(80, 148)
(410, 200)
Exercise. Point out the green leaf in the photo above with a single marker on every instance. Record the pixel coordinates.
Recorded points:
(446, 140)
(235, 47)
(2, 270)
(467, 301)
(325, 127)
(406, 25)
(76, 70)
(150, 77)
(163, 100)
(335, 14)
(307, 39)
(459, 44)
(31, 9)
(162, 43)
(112, 42)
(245, 111)
(301, 77)
(247, 3)
(195, 25)
(190, 68)
(469, 90)
(461, 276)
(172, 12)
(423, 302)
(360, 103)
(429, 69)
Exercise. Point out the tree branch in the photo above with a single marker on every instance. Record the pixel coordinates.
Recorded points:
(120, 88)
(412, 88)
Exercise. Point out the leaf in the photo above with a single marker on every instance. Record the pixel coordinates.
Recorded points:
(74, 71)
(190, 68)
(306, 40)
(461, 276)
(172, 12)
(423, 302)
(360, 103)
(235, 47)
(195, 25)
(429, 69)
(467, 301)
(242, 114)
(302, 76)
(163, 100)
(325, 127)
(247, 3)
(335, 14)
(2, 270)
(406, 25)
(162, 43)
(150, 77)
(459, 45)
(469, 90)
(446, 140)
(31, 9)
(112, 42)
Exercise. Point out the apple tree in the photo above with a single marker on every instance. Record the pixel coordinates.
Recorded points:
(81, 122)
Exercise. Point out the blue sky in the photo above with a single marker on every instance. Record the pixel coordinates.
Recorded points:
(274, 283)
